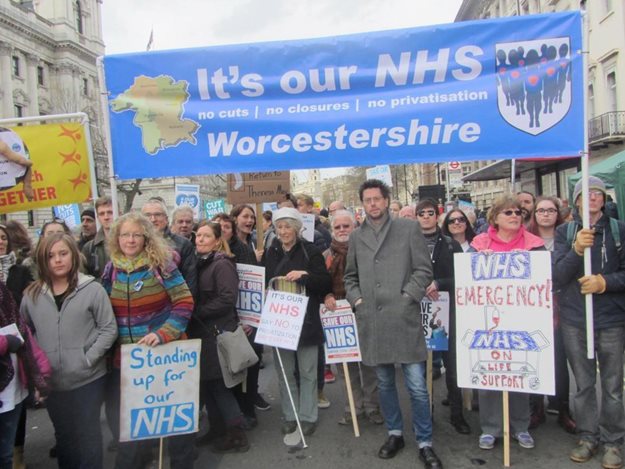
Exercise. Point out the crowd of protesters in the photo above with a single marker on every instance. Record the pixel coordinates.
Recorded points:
(69, 303)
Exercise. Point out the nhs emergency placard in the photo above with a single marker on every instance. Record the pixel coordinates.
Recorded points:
(160, 388)
(504, 321)
(472, 90)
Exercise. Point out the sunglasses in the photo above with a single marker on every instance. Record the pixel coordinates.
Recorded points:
(429, 213)
(509, 213)
(460, 220)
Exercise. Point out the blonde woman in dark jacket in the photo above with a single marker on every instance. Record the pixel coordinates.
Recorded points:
(72, 319)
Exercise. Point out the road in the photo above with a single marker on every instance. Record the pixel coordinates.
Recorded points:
(334, 446)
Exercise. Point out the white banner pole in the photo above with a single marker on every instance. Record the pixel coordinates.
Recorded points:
(590, 330)
(104, 106)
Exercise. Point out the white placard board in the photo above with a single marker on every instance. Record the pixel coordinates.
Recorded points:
(189, 194)
(341, 333)
(381, 172)
(160, 389)
(308, 226)
(504, 321)
(282, 319)
(251, 292)
(435, 320)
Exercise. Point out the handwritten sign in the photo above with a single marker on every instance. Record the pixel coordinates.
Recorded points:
(251, 292)
(308, 226)
(505, 321)
(381, 172)
(435, 320)
(341, 333)
(282, 319)
(159, 390)
(246, 188)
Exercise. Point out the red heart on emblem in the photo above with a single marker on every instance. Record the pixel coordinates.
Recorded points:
(533, 79)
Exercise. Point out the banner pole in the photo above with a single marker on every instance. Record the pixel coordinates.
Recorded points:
(590, 332)
(350, 398)
(428, 374)
(160, 453)
(94, 181)
(288, 390)
(104, 106)
(506, 430)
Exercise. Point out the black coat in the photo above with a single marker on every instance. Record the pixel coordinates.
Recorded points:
(302, 256)
(215, 307)
(18, 279)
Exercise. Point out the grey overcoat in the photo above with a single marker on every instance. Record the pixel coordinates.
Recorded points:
(390, 274)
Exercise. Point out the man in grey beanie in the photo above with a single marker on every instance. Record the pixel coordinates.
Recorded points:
(607, 284)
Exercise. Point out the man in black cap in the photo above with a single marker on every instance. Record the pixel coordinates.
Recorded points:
(87, 227)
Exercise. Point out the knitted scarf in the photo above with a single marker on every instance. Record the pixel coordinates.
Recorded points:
(337, 267)
(130, 265)
(9, 314)
(6, 262)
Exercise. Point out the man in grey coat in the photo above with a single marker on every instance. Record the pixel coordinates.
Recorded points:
(388, 270)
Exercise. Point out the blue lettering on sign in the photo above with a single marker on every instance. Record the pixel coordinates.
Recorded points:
(340, 337)
(150, 422)
(503, 340)
(250, 300)
(501, 265)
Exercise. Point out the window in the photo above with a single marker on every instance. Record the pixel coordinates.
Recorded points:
(19, 110)
(591, 101)
(40, 77)
(611, 90)
(16, 65)
(85, 87)
(79, 25)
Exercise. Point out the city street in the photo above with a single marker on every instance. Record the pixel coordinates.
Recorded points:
(334, 446)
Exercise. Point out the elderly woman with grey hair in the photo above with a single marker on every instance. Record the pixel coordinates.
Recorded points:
(299, 261)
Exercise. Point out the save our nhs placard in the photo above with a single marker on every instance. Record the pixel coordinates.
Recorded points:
(159, 389)
(504, 321)
(341, 333)
(496, 88)
(251, 292)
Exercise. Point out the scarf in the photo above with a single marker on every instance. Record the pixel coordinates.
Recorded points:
(6, 262)
(337, 267)
(9, 314)
(130, 265)
(524, 240)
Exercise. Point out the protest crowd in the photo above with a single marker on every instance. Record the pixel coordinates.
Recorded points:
(151, 277)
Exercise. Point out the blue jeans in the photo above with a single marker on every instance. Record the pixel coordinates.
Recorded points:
(75, 415)
(414, 377)
(608, 426)
(8, 427)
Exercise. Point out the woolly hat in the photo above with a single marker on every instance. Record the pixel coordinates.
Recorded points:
(286, 212)
(594, 184)
(88, 212)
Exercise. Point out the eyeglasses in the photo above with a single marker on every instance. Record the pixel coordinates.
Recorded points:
(131, 235)
(429, 213)
(370, 200)
(595, 193)
(460, 220)
(550, 211)
(509, 213)
(154, 215)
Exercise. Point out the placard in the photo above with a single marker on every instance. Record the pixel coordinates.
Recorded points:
(504, 321)
(282, 319)
(213, 207)
(251, 292)
(160, 388)
(381, 172)
(341, 333)
(308, 227)
(189, 195)
(248, 188)
(435, 320)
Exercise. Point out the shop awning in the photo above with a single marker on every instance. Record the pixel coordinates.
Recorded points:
(502, 169)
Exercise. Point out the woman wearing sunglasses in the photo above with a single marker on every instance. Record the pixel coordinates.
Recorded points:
(457, 226)
(505, 233)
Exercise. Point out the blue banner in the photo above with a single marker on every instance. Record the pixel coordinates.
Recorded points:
(501, 88)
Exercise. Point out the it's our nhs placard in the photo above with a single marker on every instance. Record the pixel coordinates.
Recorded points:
(473, 90)
(159, 390)
(504, 321)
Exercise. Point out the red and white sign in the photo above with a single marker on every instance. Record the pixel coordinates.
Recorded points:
(281, 320)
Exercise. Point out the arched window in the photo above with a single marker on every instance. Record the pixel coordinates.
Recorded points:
(79, 25)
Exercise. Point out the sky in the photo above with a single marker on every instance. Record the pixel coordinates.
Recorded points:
(127, 24)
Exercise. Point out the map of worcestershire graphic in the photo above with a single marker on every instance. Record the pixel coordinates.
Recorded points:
(158, 104)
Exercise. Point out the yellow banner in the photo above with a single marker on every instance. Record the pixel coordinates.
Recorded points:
(60, 166)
